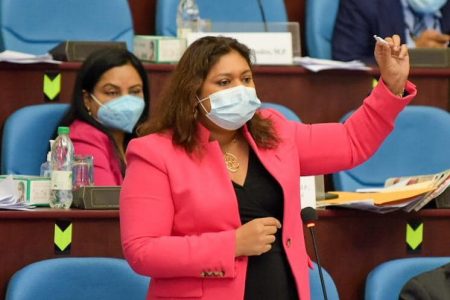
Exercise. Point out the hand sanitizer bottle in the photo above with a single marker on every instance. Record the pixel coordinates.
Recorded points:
(45, 167)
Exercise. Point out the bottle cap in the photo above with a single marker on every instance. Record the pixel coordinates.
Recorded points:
(63, 130)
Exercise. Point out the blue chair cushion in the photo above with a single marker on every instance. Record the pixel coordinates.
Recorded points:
(220, 11)
(25, 137)
(77, 278)
(37, 26)
(418, 145)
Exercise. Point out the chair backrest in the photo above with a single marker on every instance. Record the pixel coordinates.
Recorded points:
(418, 145)
(220, 11)
(386, 280)
(37, 26)
(77, 278)
(25, 137)
(320, 20)
(287, 112)
(316, 286)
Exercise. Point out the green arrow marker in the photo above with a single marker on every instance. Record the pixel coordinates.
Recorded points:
(63, 238)
(374, 83)
(52, 87)
(414, 237)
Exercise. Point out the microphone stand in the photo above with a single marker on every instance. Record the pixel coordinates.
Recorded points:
(311, 230)
(309, 216)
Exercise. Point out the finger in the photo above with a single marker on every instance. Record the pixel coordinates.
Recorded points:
(442, 38)
(393, 47)
(270, 239)
(396, 40)
(403, 52)
(270, 221)
(270, 229)
(394, 43)
(266, 248)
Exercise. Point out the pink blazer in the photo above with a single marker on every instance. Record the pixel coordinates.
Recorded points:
(89, 140)
(179, 213)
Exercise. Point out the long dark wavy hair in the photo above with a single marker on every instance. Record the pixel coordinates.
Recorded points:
(90, 73)
(174, 111)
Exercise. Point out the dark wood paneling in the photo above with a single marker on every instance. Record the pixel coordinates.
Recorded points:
(350, 242)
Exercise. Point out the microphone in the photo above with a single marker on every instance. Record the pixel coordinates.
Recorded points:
(309, 217)
(263, 14)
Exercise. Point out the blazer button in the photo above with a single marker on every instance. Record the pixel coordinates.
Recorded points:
(288, 242)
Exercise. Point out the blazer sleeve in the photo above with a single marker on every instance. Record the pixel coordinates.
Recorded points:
(331, 147)
(147, 215)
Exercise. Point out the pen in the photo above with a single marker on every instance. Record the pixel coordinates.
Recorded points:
(378, 39)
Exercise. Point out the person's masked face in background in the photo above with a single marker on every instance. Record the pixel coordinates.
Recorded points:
(426, 6)
(117, 100)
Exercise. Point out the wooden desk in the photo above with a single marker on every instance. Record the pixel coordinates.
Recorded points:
(28, 236)
(350, 242)
(316, 97)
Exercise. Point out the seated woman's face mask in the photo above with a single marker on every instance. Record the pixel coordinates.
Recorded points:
(120, 113)
(233, 107)
(426, 6)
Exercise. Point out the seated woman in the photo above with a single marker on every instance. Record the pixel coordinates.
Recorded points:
(110, 98)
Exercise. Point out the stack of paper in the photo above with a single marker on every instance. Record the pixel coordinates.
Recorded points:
(406, 193)
(25, 58)
(381, 202)
(316, 65)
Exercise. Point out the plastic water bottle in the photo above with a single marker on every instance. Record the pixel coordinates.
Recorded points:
(61, 175)
(188, 18)
(46, 166)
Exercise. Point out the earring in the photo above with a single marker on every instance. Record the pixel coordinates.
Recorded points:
(89, 111)
(195, 111)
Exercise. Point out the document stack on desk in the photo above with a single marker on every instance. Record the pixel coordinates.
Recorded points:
(406, 193)
(316, 65)
(25, 58)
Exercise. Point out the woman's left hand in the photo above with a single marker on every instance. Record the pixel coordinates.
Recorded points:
(393, 61)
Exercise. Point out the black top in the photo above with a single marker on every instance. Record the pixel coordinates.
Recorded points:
(269, 275)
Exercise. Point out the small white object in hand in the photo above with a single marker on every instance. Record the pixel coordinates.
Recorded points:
(378, 39)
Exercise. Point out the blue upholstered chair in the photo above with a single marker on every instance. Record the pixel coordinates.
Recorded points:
(316, 286)
(25, 137)
(418, 145)
(320, 19)
(77, 278)
(287, 112)
(220, 11)
(386, 280)
(37, 26)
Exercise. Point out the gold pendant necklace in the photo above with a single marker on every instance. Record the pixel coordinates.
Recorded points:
(231, 162)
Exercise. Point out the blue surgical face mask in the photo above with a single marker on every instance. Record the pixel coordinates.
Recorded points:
(233, 107)
(120, 113)
(426, 6)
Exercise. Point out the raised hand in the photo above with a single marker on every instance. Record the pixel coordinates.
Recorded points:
(393, 61)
